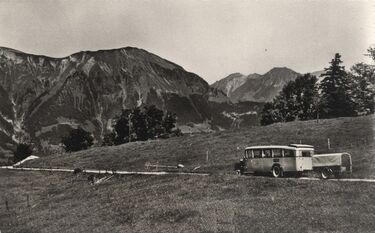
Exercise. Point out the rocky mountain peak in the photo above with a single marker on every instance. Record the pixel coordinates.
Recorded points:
(256, 87)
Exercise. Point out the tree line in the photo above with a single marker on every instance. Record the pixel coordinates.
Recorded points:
(338, 94)
(136, 124)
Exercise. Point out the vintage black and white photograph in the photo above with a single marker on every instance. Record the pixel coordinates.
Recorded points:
(187, 116)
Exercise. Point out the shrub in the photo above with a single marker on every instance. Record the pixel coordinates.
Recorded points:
(78, 139)
(77, 170)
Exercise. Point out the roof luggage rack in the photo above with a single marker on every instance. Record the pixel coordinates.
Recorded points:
(301, 146)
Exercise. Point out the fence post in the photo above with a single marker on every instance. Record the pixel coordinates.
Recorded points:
(328, 144)
(28, 200)
(6, 204)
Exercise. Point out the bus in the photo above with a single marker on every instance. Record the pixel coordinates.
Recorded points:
(277, 160)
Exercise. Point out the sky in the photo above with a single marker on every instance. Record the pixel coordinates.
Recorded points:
(211, 38)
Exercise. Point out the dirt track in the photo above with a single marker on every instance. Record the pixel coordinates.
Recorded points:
(94, 171)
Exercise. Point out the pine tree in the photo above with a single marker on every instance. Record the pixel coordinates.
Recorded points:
(335, 91)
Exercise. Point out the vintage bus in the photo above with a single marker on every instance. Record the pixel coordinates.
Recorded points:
(277, 160)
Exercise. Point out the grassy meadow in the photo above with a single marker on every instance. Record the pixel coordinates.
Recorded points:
(221, 202)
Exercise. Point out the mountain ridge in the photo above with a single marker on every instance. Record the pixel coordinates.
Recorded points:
(44, 97)
(255, 87)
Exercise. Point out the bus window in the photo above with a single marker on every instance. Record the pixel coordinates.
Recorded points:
(267, 153)
(306, 153)
(248, 154)
(289, 153)
(276, 153)
(257, 153)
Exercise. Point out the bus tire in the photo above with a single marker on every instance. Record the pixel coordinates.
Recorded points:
(277, 171)
(325, 173)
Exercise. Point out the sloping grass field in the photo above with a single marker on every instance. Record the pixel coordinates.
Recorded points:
(217, 152)
(221, 202)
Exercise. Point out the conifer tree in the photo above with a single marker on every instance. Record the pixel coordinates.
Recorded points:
(335, 91)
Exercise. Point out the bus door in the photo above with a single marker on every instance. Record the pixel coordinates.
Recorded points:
(304, 160)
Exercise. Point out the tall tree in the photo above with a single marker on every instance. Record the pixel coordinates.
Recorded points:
(336, 91)
(306, 93)
(363, 86)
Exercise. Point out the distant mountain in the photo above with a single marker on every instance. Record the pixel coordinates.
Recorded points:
(233, 81)
(255, 87)
(42, 98)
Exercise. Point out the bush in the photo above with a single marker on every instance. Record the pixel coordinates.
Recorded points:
(77, 170)
(78, 139)
(22, 152)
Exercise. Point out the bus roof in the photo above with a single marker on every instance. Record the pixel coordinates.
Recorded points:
(290, 147)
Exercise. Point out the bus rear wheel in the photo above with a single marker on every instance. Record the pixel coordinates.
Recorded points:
(277, 171)
(325, 173)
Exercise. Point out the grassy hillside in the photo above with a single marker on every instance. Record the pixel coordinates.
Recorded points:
(223, 203)
(353, 135)
(64, 202)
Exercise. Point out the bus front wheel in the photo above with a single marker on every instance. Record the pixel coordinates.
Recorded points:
(277, 171)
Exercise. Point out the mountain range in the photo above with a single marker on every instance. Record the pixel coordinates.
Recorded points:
(42, 98)
(255, 87)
